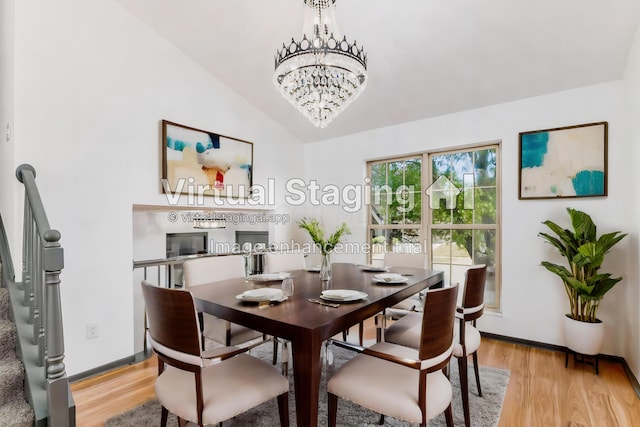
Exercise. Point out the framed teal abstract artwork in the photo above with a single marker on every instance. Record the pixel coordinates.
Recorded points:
(199, 162)
(564, 162)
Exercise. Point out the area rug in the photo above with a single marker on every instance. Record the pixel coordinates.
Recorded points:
(485, 410)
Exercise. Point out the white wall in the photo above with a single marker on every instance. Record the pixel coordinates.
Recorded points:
(8, 182)
(91, 86)
(631, 342)
(533, 300)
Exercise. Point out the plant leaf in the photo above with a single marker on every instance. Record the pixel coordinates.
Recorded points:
(583, 226)
(585, 253)
(316, 233)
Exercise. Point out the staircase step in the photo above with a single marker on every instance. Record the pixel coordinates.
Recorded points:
(11, 380)
(4, 303)
(19, 412)
(14, 409)
(7, 339)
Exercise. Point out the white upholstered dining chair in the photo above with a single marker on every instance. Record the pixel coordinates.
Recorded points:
(199, 271)
(409, 259)
(204, 387)
(404, 307)
(412, 260)
(402, 382)
(467, 338)
(276, 262)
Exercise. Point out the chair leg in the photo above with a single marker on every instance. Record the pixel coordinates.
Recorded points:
(202, 337)
(448, 415)
(163, 417)
(283, 409)
(275, 350)
(380, 321)
(381, 420)
(332, 408)
(464, 389)
(477, 371)
(285, 358)
(328, 357)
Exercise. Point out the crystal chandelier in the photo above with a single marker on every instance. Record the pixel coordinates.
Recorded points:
(322, 73)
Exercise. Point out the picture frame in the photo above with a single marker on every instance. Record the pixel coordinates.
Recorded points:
(196, 161)
(565, 162)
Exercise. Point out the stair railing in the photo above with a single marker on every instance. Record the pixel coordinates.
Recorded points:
(36, 309)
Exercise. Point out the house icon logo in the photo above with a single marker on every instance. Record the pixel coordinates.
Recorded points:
(444, 189)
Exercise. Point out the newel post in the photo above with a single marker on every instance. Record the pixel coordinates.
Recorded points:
(57, 381)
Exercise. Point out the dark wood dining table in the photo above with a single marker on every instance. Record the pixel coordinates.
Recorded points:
(305, 324)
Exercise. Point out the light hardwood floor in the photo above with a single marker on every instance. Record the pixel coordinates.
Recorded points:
(541, 392)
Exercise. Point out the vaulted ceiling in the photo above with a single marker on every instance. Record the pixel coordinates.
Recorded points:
(425, 57)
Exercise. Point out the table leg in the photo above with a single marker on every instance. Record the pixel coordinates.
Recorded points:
(307, 368)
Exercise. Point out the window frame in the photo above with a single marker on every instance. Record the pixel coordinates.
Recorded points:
(497, 306)
(426, 227)
(404, 226)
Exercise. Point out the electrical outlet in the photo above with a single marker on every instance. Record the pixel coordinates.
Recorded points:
(92, 330)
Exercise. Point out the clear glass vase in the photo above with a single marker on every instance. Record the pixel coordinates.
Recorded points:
(325, 268)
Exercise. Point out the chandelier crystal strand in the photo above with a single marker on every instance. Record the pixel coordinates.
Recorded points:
(323, 73)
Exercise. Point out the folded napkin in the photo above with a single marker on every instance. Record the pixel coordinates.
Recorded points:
(389, 277)
(340, 293)
(262, 293)
(268, 277)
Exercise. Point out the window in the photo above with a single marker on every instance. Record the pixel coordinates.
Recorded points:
(463, 215)
(457, 222)
(395, 220)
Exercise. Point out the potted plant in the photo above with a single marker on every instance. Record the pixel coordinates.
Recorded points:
(584, 284)
(325, 245)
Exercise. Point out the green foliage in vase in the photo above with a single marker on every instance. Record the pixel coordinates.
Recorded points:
(585, 252)
(318, 236)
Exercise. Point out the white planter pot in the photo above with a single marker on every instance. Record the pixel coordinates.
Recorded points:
(583, 337)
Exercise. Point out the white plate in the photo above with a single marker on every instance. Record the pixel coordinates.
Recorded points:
(369, 267)
(314, 269)
(343, 295)
(390, 278)
(268, 277)
(262, 294)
